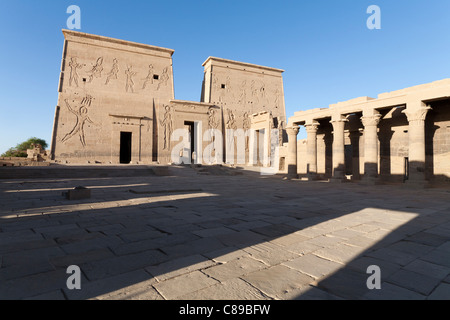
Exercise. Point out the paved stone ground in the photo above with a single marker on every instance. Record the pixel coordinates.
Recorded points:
(242, 237)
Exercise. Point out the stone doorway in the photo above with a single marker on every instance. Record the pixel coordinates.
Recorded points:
(125, 147)
(190, 127)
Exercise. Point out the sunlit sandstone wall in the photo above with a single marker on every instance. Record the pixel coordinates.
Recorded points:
(108, 86)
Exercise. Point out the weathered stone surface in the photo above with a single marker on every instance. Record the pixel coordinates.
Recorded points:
(233, 290)
(183, 285)
(420, 283)
(392, 292)
(118, 258)
(234, 268)
(122, 286)
(278, 281)
(442, 292)
(177, 267)
(313, 266)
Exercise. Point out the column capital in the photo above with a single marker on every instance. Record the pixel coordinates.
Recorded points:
(338, 121)
(292, 131)
(371, 121)
(312, 127)
(417, 115)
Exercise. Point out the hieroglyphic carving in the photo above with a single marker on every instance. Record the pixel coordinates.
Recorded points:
(228, 84)
(215, 82)
(243, 94)
(96, 70)
(149, 77)
(277, 99)
(113, 74)
(254, 91)
(262, 91)
(74, 65)
(82, 116)
(281, 128)
(213, 124)
(164, 77)
(130, 83)
(167, 123)
(246, 125)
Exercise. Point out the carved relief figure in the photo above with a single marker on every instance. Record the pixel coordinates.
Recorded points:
(96, 70)
(149, 77)
(254, 91)
(113, 74)
(130, 83)
(74, 66)
(277, 98)
(212, 122)
(167, 123)
(231, 123)
(243, 94)
(262, 91)
(280, 131)
(164, 77)
(216, 85)
(228, 84)
(82, 116)
(246, 125)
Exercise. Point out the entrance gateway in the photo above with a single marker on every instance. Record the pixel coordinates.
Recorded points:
(120, 74)
(125, 147)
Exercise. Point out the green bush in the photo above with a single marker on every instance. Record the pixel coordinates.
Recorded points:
(21, 149)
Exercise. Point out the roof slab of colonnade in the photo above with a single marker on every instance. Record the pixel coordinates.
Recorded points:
(412, 98)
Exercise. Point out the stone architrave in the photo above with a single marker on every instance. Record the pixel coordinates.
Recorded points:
(311, 145)
(370, 124)
(416, 119)
(292, 151)
(338, 149)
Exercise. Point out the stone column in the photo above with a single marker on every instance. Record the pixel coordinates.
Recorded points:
(338, 149)
(355, 137)
(311, 146)
(416, 118)
(292, 152)
(370, 124)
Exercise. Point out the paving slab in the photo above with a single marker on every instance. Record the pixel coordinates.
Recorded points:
(235, 289)
(278, 281)
(174, 268)
(313, 266)
(416, 282)
(390, 291)
(442, 292)
(181, 286)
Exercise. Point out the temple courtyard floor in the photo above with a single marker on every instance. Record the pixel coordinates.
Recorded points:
(193, 235)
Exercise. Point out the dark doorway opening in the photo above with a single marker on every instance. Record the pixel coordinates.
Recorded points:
(190, 127)
(125, 147)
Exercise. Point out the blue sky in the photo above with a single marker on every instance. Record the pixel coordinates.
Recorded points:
(325, 47)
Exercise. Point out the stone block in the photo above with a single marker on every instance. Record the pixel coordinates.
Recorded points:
(79, 193)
